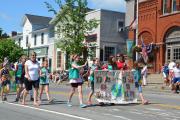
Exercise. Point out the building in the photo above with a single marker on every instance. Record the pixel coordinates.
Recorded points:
(158, 22)
(37, 36)
(109, 36)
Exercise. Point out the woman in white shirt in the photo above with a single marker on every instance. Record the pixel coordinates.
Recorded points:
(32, 72)
(176, 78)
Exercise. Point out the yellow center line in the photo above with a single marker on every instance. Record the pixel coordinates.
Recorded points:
(168, 106)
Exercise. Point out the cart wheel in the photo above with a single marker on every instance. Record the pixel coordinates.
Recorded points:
(101, 103)
(112, 104)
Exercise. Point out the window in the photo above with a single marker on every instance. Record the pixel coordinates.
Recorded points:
(19, 41)
(42, 38)
(27, 41)
(174, 8)
(168, 54)
(101, 55)
(176, 54)
(165, 9)
(92, 53)
(35, 40)
(58, 59)
(120, 26)
(108, 51)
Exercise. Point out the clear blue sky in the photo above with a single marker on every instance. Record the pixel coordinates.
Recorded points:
(12, 11)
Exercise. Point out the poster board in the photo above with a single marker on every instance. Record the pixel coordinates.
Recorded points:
(114, 86)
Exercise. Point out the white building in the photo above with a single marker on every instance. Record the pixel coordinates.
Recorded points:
(37, 36)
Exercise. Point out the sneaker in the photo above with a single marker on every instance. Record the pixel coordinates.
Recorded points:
(4, 99)
(31, 99)
(83, 106)
(69, 104)
(17, 99)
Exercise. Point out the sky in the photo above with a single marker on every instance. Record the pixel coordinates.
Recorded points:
(12, 11)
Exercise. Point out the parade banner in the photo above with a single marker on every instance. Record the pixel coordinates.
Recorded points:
(114, 86)
(129, 47)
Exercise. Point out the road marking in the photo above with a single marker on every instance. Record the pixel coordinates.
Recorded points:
(138, 113)
(49, 111)
(117, 116)
(168, 106)
(154, 109)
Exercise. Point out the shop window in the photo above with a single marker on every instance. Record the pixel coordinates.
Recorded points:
(108, 51)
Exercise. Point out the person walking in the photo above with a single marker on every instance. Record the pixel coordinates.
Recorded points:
(137, 77)
(19, 76)
(94, 66)
(76, 80)
(44, 81)
(32, 71)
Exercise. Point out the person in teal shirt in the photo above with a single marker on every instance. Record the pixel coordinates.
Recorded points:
(95, 66)
(44, 81)
(137, 78)
(76, 80)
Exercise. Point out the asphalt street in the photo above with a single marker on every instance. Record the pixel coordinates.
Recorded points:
(163, 106)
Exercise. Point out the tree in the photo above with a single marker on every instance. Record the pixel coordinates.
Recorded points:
(72, 26)
(3, 35)
(9, 49)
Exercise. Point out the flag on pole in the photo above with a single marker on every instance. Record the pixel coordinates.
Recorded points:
(133, 25)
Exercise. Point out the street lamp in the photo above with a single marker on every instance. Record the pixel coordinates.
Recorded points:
(28, 45)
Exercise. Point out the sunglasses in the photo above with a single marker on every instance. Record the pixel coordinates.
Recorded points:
(33, 55)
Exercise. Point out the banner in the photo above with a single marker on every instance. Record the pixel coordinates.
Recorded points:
(129, 47)
(114, 87)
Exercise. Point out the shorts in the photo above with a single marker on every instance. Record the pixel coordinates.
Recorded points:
(176, 80)
(19, 80)
(138, 86)
(44, 84)
(92, 86)
(165, 75)
(76, 84)
(4, 83)
(29, 84)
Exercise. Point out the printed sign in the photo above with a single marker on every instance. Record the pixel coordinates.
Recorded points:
(114, 87)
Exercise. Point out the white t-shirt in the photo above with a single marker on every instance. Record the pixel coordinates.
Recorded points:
(33, 70)
(176, 72)
(171, 65)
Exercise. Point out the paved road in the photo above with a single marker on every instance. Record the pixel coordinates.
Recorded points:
(164, 106)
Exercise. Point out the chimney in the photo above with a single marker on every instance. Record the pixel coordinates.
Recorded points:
(13, 33)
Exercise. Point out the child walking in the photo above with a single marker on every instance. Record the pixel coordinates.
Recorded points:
(75, 80)
(44, 81)
(95, 66)
(5, 82)
(137, 78)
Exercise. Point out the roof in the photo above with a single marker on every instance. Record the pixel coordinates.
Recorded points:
(36, 19)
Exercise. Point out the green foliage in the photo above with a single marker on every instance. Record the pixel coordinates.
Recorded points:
(72, 27)
(9, 49)
(3, 35)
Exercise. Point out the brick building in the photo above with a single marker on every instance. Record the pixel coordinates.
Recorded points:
(159, 22)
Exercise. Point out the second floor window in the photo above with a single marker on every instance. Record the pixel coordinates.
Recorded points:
(42, 38)
(174, 7)
(35, 40)
(27, 41)
(165, 4)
